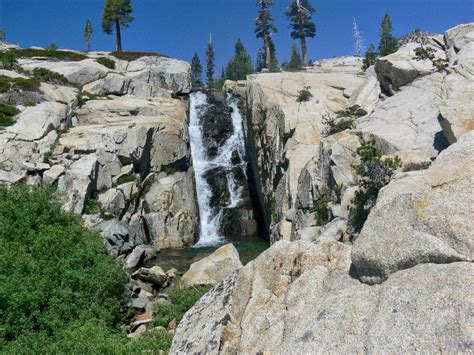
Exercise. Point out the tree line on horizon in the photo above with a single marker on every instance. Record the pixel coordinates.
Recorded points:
(117, 15)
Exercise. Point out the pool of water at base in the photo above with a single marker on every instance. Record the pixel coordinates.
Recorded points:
(248, 247)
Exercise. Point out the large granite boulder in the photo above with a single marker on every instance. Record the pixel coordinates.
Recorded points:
(81, 72)
(213, 268)
(459, 36)
(299, 297)
(365, 97)
(169, 210)
(401, 68)
(423, 217)
(456, 111)
(406, 124)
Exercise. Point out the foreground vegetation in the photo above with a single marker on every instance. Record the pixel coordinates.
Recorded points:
(59, 290)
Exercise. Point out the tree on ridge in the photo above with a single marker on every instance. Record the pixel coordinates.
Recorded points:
(196, 69)
(211, 66)
(88, 35)
(264, 27)
(117, 14)
(388, 43)
(241, 65)
(358, 41)
(300, 15)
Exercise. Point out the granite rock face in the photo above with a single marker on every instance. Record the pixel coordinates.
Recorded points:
(120, 157)
(422, 217)
(301, 297)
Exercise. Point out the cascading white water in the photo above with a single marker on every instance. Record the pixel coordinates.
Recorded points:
(210, 217)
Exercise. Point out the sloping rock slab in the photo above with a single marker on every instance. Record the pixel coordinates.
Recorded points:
(299, 298)
(425, 217)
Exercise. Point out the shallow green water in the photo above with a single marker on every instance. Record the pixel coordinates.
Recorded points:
(248, 247)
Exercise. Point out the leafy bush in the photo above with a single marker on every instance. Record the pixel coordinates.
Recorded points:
(417, 166)
(370, 57)
(55, 276)
(374, 173)
(333, 126)
(91, 206)
(169, 170)
(428, 53)
(135, 55)
(8, 60)
(182, 299)
(320, 207)
(51, 53)
(44, 74)
(126, 178)
(106, 62)
(304, 94)
(6, 114)
(84, 96)
(18, 84)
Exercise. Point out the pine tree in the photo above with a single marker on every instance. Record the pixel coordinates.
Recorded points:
(260, 62)
(273, 67)
(295, 62)
(264, 27)
(196, 69)
(370, 57)
(241, 65)
(359, 43)
(211, 66)
(88, 35)
(388, 43)
(117, 14)
(300, 14)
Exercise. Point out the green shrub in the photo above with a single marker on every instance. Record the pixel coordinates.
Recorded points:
(320, 207)
(333, 127)
(304, 94)
(374, 173)
(428, 53)
(44, 74)
(273, 210)
(49, 53)
(18, 84)
(54, 274)
(6, 114)
(91, 206)
(182, 299)
(125, 178)
(84, 96)
(135, 55)
(8, 60)
(169, 170)
(106, 62)
(417, 166)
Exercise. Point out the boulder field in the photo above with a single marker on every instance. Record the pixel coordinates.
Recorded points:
(404, 282)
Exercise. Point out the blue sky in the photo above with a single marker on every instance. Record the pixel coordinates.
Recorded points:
(181, 27)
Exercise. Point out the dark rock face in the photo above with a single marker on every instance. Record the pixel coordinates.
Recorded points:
(216, 125)
(228, 179)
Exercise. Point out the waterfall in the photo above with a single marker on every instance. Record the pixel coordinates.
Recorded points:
(230, 155)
